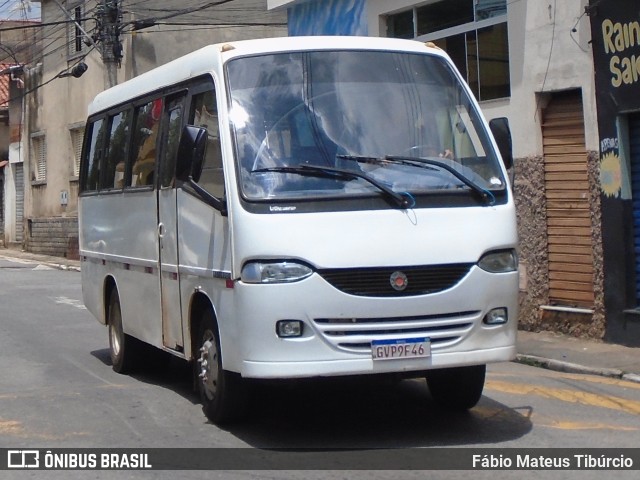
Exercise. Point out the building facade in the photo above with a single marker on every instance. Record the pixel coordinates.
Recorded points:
(90, 45)
(531, 61)
(19, 46)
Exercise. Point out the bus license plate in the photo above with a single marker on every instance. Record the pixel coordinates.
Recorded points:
(400, 348)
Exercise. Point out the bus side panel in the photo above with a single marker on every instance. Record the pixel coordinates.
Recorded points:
(121, 241)
(92, 290)
(205, 264)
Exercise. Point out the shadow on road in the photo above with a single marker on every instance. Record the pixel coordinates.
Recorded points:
(160, 369)
(348, 412)
(366, 413)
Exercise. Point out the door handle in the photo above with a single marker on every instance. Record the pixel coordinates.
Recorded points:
(161, 230)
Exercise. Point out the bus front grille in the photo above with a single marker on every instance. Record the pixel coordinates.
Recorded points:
(378, 281)
(356, 334)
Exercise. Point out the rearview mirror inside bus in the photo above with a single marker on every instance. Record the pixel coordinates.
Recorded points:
(191, 152)
(502, 133)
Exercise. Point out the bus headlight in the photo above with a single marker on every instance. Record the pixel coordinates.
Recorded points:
(499, 261)
(274, 272)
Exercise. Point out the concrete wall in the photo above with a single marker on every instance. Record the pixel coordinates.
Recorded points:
(160, 44)
(53, 236)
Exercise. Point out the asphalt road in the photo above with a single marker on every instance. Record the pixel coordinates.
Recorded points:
(57, 390)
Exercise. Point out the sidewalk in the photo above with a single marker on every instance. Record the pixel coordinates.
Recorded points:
(568, 354)
(548, 350)
(54, 262)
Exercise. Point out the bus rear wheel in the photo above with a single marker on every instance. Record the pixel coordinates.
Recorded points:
(457, 388)
(122, 347)
(223, 393)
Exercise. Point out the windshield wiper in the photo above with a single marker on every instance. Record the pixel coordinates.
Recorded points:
(402, 200)
(427, 163)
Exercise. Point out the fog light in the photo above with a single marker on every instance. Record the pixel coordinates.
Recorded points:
(497, 316)
(289, 328)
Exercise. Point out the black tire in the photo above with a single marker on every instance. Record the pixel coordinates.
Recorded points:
(457, 388)
(124, 349)
(223, 393)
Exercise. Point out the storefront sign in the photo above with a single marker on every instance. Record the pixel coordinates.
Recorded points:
(622, 41)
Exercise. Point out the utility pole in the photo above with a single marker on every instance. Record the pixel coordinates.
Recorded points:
(109, 18)
(107, 38)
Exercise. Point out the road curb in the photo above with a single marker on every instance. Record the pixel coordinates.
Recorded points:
(631, 377)
(9, 255)
(568, 367)
(70, 268)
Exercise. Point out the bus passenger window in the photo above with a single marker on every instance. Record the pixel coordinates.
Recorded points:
(145, 134)
(173, 129)
(93, 155)
(204, 113)
(113, 175)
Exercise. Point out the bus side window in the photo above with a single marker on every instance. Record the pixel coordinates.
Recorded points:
(204, 113)
(145, 134)
(172, 132)
(113, 171)
(93, 155)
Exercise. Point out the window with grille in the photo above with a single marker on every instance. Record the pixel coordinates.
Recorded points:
(472, 32)
(77, 134)
(39, 148)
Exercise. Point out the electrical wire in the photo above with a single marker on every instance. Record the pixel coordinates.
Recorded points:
(47, 82)
(574, 29)
(50, 32)
(546, 73)
(56, 35)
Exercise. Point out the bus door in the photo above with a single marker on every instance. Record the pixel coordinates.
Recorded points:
(168, 235)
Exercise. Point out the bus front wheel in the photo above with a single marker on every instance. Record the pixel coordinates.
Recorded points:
(123, 348)
(457, 388)
(223, 393)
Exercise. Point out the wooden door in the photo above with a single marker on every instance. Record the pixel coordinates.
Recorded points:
(568, 205)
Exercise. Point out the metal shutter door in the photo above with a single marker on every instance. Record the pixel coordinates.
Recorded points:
(19, 182)
(2, 206)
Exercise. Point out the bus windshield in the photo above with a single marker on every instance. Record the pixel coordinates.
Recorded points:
(399, 121)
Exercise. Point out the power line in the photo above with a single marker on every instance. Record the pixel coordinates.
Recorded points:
(222, 24)
(58, 75)
(546, 73)
(108, 16)
(144, 23)
(40, 25)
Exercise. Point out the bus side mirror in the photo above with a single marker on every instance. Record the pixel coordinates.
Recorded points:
(191, 153)
(502, 133)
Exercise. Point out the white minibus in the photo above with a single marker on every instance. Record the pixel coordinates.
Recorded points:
(301, 208)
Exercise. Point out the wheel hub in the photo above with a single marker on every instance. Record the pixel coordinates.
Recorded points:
(115, 340)
(209, 367)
